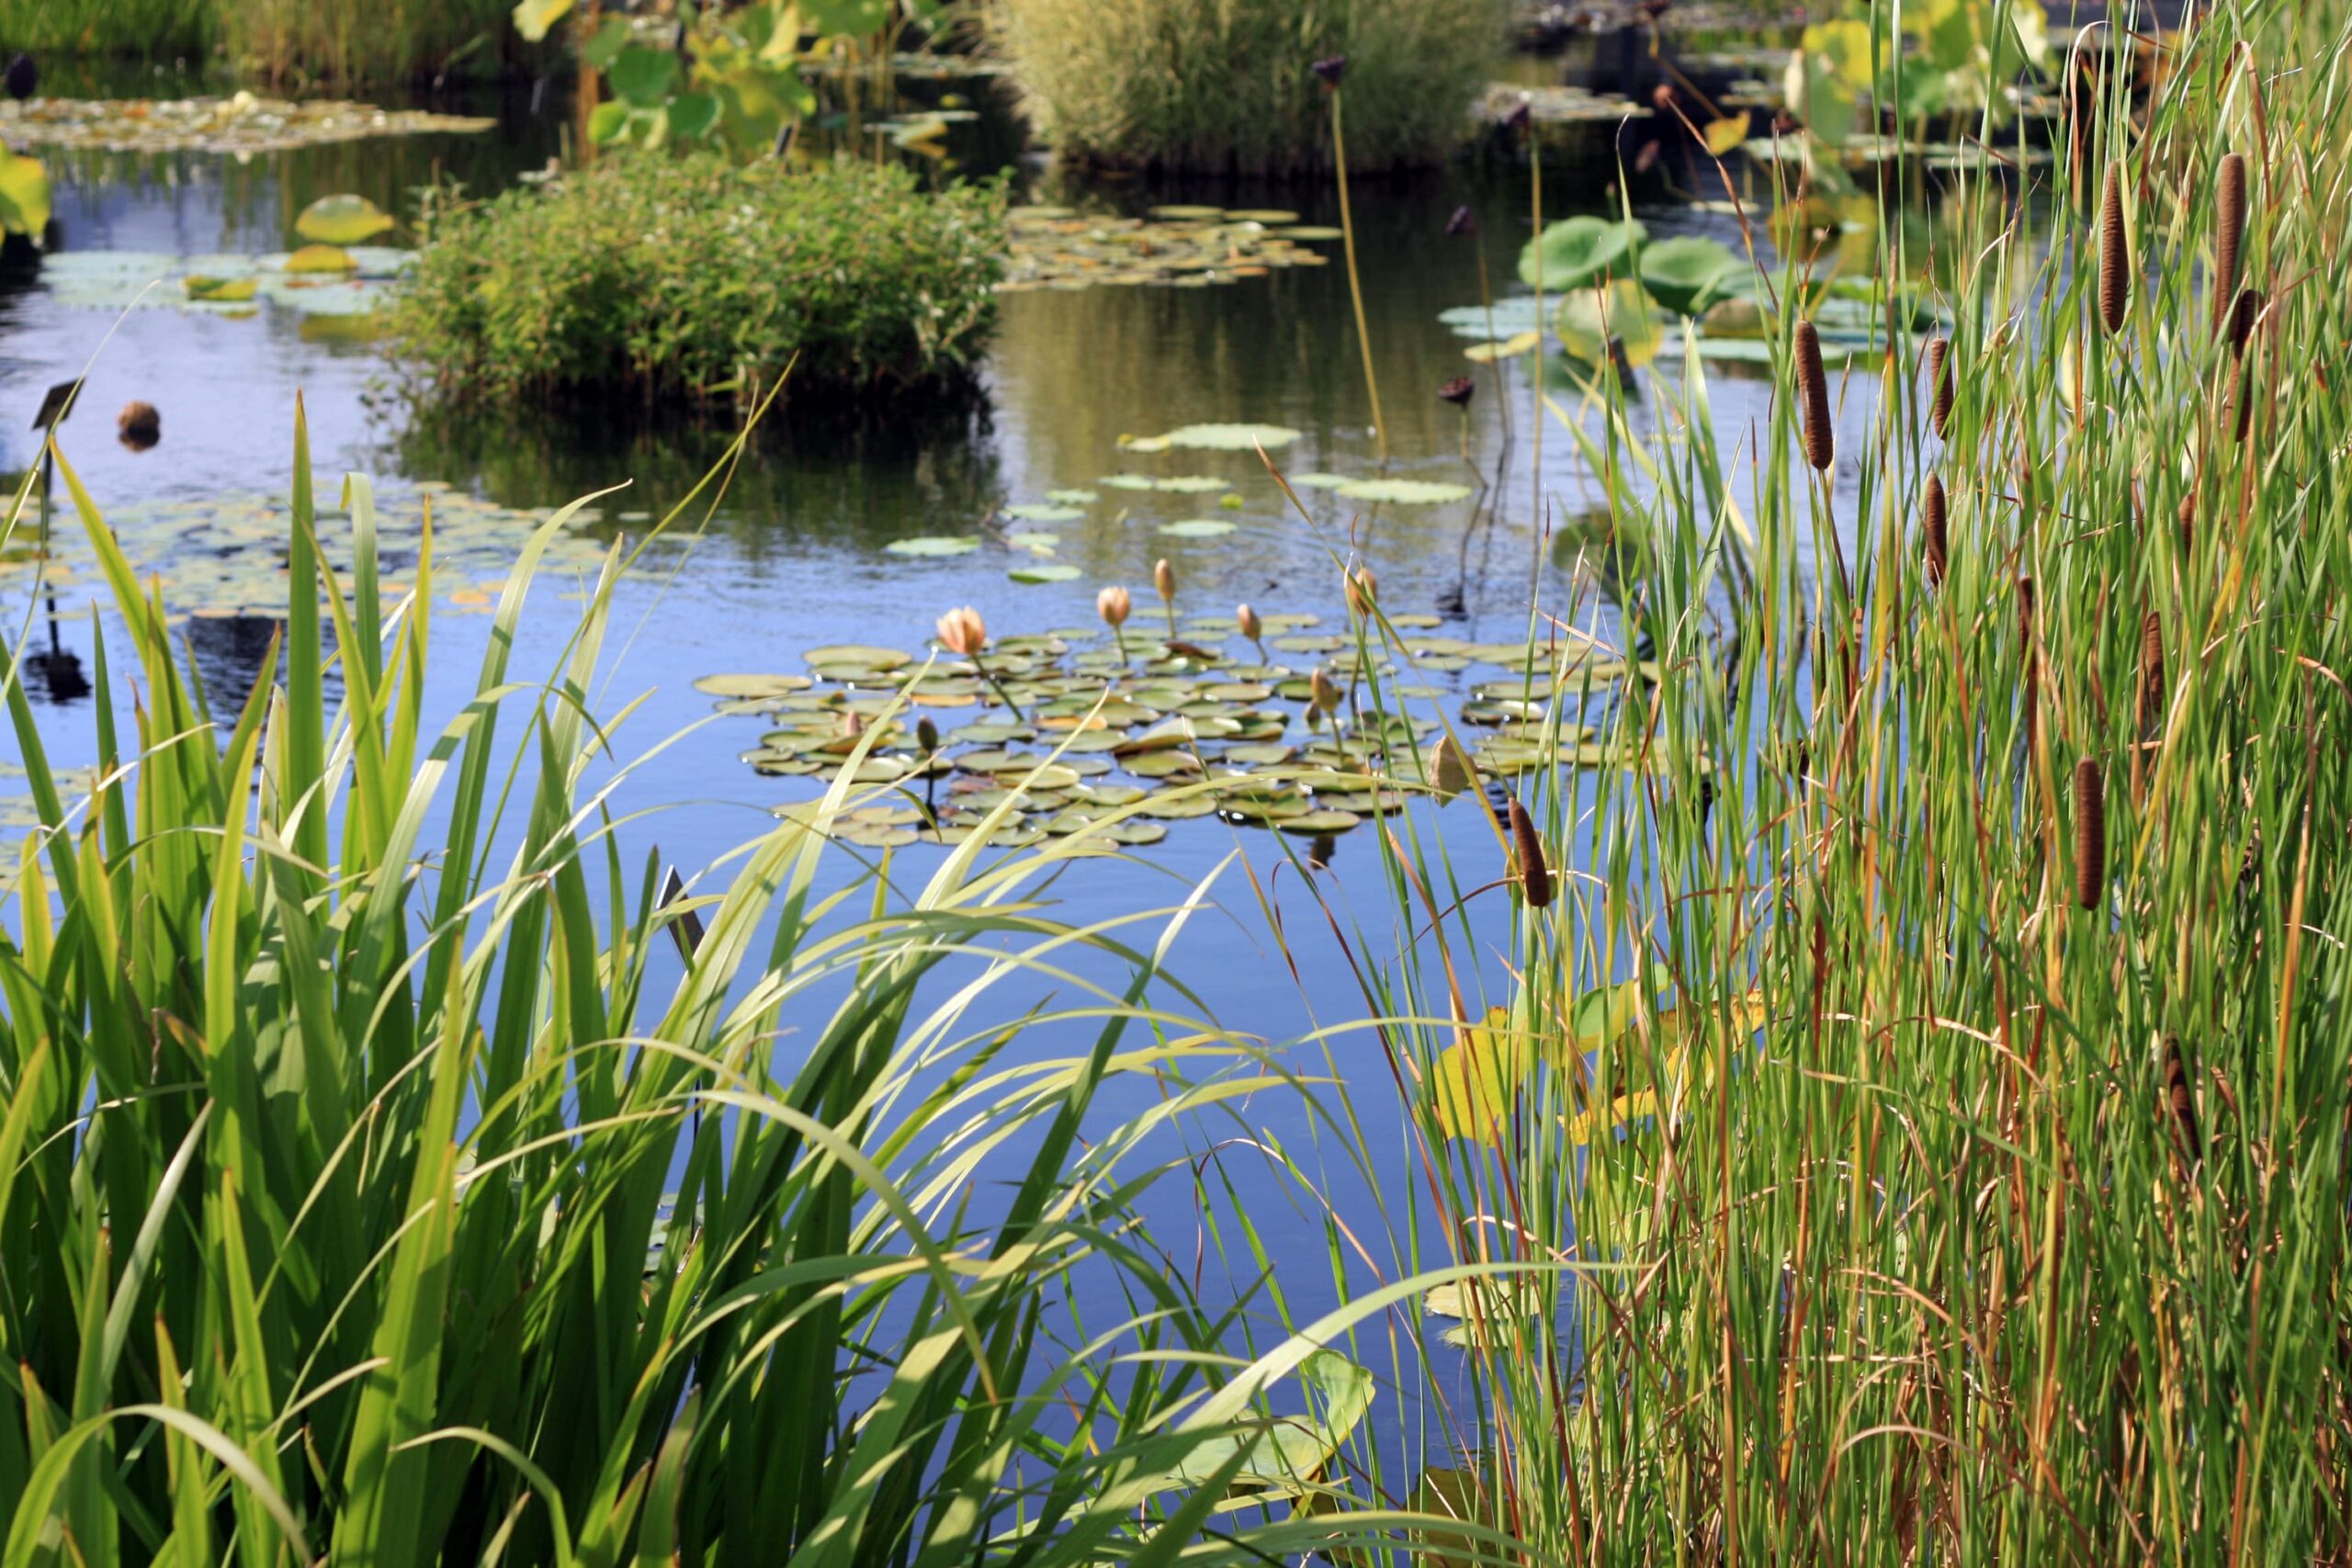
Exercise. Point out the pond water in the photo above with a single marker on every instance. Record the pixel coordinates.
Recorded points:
(795, 555)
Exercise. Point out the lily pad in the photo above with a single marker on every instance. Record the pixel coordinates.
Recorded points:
(321, 258)
(1041, 512)
(1575, 251)
(1052, 571)
(342, 221)
(1231, 438)
(1196, 528)
(934, 545)
(1405, 492)
(1689, 272)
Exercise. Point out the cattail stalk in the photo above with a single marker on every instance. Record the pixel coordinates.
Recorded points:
(1813, 387)
(2242, 315)
(2114, 263)
(1535, 874)
(1939, 543)
(2180, 1101)
(1939, 383)
(2090, 834)
(2231, 214)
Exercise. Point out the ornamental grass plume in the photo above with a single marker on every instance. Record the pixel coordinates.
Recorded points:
(2230, 233)
(2114, 262)
(1813, 390)
(1534, 872)
(2090, 834)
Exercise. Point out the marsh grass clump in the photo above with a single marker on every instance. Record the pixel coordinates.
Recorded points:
(1229, 86)
(690, 282)
(1894, 1139)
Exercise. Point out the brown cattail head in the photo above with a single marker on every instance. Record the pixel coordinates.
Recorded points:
(2025, 611)
(2179, 1102)
(2244, 315)
(2230, 220)
(2186, 517)
(2242, 400)
(2152, 674)
(2090, 834)
(2114, 262)
(1938, 544)
(1813, 387)
(1534, 872)
(1939, 382)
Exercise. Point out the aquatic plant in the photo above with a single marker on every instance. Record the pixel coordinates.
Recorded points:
(688, 280)
(385, 1177)
(1217, 85)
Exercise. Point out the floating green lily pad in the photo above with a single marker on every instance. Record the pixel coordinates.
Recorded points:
(1405, 492)
(938, 544)
(1039, 511)
(1056, 571)
(1231, 438)
(1197, 528)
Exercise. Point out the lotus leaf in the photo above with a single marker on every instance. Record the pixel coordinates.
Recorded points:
(1575, 251)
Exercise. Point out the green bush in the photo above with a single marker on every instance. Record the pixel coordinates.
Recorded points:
(689, 281)
(1224, 85)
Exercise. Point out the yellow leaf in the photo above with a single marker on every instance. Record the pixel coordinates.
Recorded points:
(24, 195)
(1722, 135)
(533, 17)
(1474, 1081)
(1511, 348)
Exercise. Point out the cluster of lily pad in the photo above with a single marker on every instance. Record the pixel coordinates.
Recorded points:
(332, 274)
(241, 123)
(1184, 247)
(1122, 733)
(225, 557)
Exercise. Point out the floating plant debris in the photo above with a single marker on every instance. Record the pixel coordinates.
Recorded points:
(241, 123)
(226, 557)
(316, 280)
(1054, 247)
(1174, 729)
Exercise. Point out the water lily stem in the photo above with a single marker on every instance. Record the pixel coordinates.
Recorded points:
(1119, 635)
(1355, 285)
(991, 676)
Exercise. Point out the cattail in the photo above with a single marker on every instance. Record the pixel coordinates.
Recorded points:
(2242, 400)
(2185, 515)
(1938, 544)
(1939, 382)
(1813, 386)
(2090, 834)
(2152, 674)
(1534, 875)
(2025, 612)
(2114, 276)
(2231, 218)
(2244, 315)
(2030, 689)
(2180, 1101)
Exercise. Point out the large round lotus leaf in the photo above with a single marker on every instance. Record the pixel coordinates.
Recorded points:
(856, 656)
(1590, 318)
(1573, 251)
(321, 258)
(753, 686)
(1196, 528)
(1231, 438)
(936, 544)
(1405, 492)
(1689, 272)
(342, 221)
